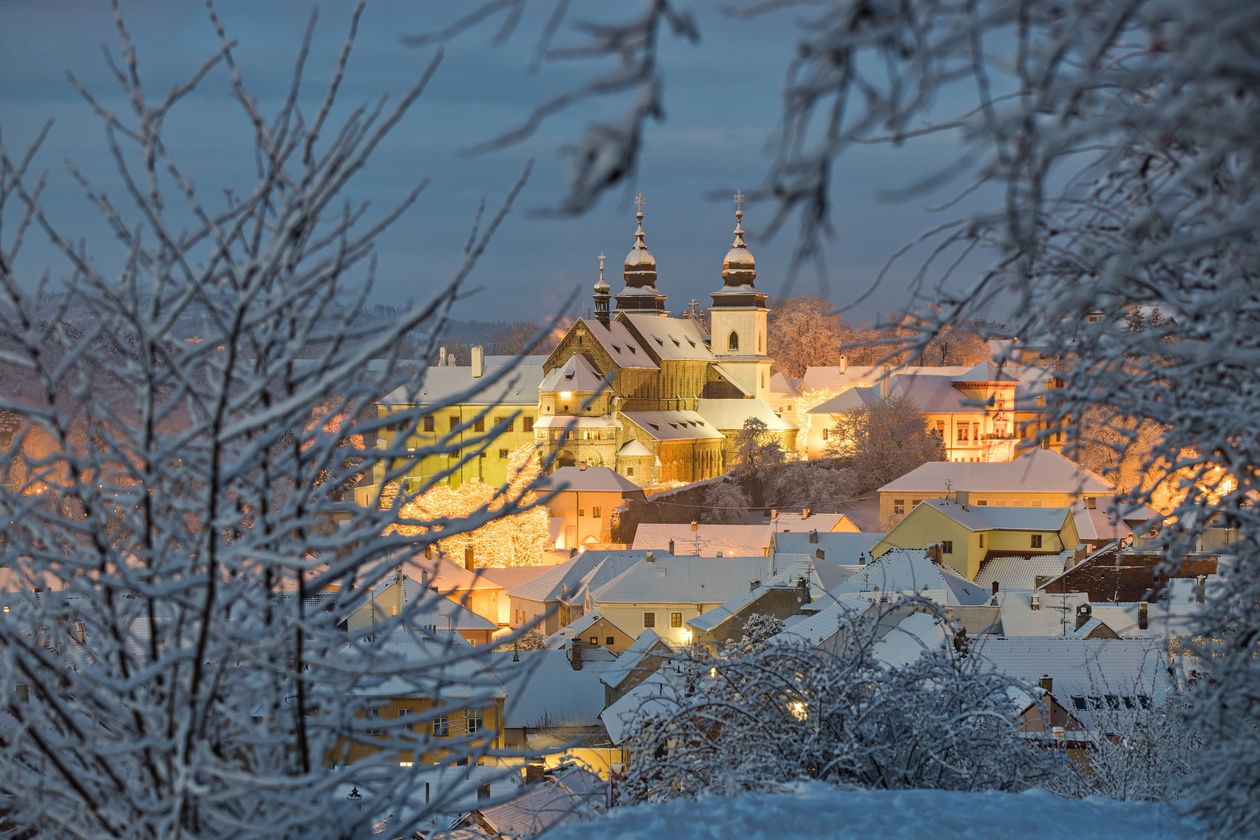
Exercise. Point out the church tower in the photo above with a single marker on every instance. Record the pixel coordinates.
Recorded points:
(640, 294)
(738, 316)
(601, 295)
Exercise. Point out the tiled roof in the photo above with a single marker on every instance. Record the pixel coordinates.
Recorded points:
(670, 338)
(681, 580)
(544, 689)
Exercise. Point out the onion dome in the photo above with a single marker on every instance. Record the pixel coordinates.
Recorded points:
(740, 267)
(640, 269)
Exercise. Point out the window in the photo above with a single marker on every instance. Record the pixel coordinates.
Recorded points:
(649, 619)
(595, 511)
(454, 418)
(899, 507)
(479, 425)
(826, 433)
(527, 423)
(1093, 317)
(503, 453)
(610, 641)
(441, 726)
(733, 341)
(947, 546)
(373, 716)
(962, 433)
(675, 619)
(429, 423)
(476, 720)
(594, 641)
(629, 472)
(1036, 540)
(1078, 700)
(982, 540)
(403, 714)
(506, 422)
(581, 511)
(982, 503)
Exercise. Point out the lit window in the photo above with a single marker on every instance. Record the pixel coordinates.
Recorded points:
(899, 507)
(675, 619)
(594, 640)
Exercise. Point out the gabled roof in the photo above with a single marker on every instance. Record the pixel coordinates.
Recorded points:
(656, 695)
(576, 574)
(682, 580)
(455, 385)
(910, 570)
(669, 338)
(706, 540)
(908, 639)
(632, 661)
(783, 385)
(544, 689)
(620, 344)
(1012, 572)
(537, 808)
(1036, 471)
(991, 518)
(589, 479)
(843, 547)
(732, 414)
(576, 374)
(437, 610)
(673, 425)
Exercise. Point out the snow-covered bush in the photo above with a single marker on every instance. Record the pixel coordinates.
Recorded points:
(786, 712)
(180, 546)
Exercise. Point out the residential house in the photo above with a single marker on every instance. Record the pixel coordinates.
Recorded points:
(704, 540)
(635, 664)
(584, 500)
(966, 535)
(594, 631)
(403, 603)
(564, 795)
(1037, 478)
(559, 595)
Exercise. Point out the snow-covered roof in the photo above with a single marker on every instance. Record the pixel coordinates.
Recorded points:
(706, 540)
(669, 579)
(589, 480)
(732, 414)
(544, 689)
(634, 449)
(656, 695)
(455, 384)
(576, 421)
(907, 640)
(620, 344)
(783, 385)
(1036, 471)
(1012, 572)
(576, 374)
(436, 609)
(669, 338)
(632, 658)
(573, 576)
(673, 425)
(842, 547)
(908, 570)
(822, 625)
(537, 808)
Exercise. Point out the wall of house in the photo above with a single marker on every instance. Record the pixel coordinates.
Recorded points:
(604, 633)
(889, 507)
(587, 516)
(669, 620)
(395, 712)
(544, 617)
(491, 467)
(924, 526)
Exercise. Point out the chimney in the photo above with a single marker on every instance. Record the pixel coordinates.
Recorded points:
(468, 557)
(1083, 613)
(695, 526)
(719, 554)
(1200, 589)
(1046, 684)
(753, 584)
(478, 361)
(534, 773)
(1144, 618)
(802, 587)
(671, 546)
(885, 383)
(934, 552)
(774, 514)
(862, 559)
(441, 357)
(813, 536)
(805, 512)
(820, 554)
(78, 632)
(649, 558)
(844, 364)
(424, 578)
(575, 654)
(1036, 601)
(996, 586)
(428, 551)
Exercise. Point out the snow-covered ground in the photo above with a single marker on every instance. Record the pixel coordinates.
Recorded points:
(818, 811)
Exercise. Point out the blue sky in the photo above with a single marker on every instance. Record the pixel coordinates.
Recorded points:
(722, 110)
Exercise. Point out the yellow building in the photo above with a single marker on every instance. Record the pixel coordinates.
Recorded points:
(480, 412)
(966, 534)
(1039, 478)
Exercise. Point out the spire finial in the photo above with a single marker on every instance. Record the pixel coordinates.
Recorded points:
(601, 266)
(739, 203)
(638, 202)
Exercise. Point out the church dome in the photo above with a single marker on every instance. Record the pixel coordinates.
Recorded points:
(640, 268)
(740, 267)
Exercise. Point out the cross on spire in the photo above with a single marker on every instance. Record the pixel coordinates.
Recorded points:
(601, 260)
(739, 201)
(638, 202)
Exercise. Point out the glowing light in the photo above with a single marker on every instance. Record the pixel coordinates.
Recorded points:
(798, 710)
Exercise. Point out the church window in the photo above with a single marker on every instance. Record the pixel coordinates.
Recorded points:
(733, 341)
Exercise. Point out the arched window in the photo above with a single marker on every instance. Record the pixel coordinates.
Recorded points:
(733, 341)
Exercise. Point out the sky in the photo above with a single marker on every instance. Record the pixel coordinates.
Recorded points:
(722, 103)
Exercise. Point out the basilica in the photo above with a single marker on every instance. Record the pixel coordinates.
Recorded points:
(660, 398)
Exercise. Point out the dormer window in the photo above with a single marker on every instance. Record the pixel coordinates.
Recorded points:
(732, 343)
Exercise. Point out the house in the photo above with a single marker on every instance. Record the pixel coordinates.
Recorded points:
(401, 602)
(846, 548)
(725, 622)
(1037, 478)
(444, 694)
(909, 571)
(584, 500)
(559, 595)
(1118, 573)
(663, 591)
(634, 665)
(594, 631)
(564, 795)
(966, 535)
(487, 406)
(554, 698)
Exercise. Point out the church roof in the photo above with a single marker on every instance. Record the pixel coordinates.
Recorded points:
(621, 344)
(673, 425)
(731, 414)
(576, 374)
(669, 338)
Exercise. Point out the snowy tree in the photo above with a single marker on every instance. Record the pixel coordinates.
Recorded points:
(784, 712)
(756, 448)
(179, 545)
(725, 504)
(883, 441)
(804, 331)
